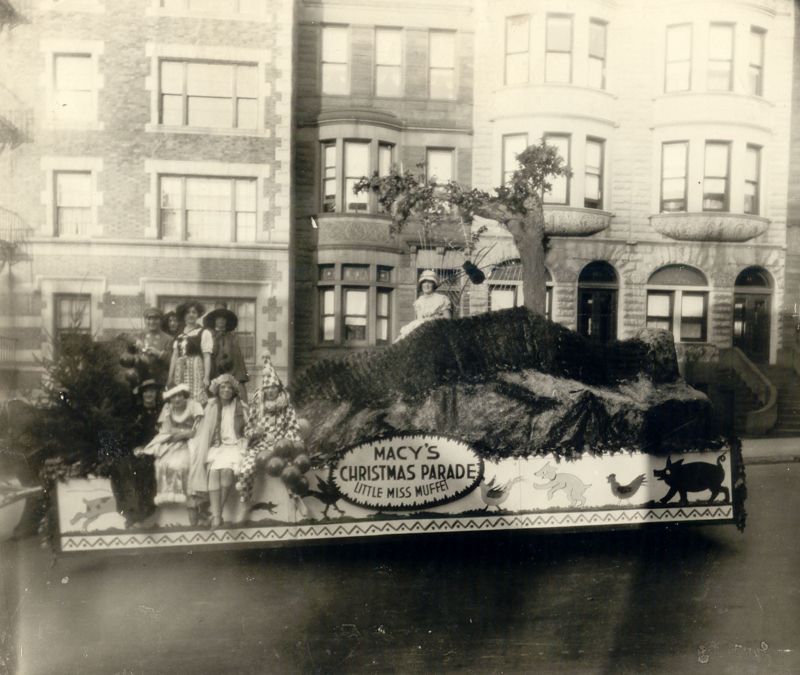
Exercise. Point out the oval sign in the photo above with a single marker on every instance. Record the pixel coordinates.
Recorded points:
(407, 472)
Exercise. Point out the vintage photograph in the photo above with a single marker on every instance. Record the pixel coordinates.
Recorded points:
(455, 336)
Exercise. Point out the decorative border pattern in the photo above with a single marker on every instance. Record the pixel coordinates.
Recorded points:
(265, 535)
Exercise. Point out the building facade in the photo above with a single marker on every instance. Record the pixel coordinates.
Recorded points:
(151, 163)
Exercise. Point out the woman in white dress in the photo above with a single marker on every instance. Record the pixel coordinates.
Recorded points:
(429, 305)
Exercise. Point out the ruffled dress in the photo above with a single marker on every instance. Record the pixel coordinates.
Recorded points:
(173, 458)
(188, 350)
(426, 308)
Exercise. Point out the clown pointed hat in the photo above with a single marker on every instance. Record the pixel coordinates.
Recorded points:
(269, 377)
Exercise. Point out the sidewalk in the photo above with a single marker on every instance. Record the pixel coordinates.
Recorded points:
(770, 450)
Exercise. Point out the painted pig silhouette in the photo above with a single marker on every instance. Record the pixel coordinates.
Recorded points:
(693, 477)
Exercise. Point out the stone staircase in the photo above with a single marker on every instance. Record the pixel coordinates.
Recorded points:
(742, 398)
(787, 382)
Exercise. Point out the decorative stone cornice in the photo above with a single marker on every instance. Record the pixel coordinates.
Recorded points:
(354, 229)
(729, 227)
(568, 221)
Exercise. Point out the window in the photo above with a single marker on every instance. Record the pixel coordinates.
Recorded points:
(216, 95)
(597, 54)
(756, 69)
(558, 56)
(593, 182)
(674, 157)
(355, 304)
(73, 86)
(335, 79)
(441, 64)
(682, 310)
(385, 158)
(328, 177)
(513, 145)
(720, 57)
(242, 7)
(439, 164)
(559, 190)
(73, 203)
(388, 61)
(752, 171)
(356, 166)
(73, 318)
(197, 208)
(517, 49)
(678, 75)
(245, 310)
(505, 288)
(715, 181)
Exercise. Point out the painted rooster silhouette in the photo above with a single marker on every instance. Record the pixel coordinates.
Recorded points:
(327, 494)
(625, 491)
(494, 494)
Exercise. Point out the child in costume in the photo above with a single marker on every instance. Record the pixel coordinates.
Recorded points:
(221, 445)
(191, 353)
(174, 446)
(272, 418)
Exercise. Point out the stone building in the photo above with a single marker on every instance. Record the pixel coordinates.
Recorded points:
(145, 158)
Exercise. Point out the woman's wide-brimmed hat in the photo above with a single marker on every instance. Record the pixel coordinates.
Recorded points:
(177, 389)
(153, 311)
(231, 320)
(428, 275)
(184, 307)
(147, 384)
(217, 382)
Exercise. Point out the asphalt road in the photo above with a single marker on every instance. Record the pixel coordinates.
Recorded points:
(689, 599)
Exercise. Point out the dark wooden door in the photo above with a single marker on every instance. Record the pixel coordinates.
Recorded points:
(597, 314)
(751, 325)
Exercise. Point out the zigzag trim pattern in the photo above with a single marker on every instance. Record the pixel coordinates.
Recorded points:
(376, 528)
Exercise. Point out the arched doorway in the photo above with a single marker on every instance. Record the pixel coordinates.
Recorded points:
(598, 286)
(752, 301)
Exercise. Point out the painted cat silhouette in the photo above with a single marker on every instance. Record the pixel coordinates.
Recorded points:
(94, 509)
(572, 486)
(692, 477)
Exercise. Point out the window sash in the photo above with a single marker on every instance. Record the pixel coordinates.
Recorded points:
(558, 49)
(439, 164)
(598, 35)
(756, 62)
(752, 180)
(356, 166)
(335, 59)
(716, 194)
(517, 49)
(73, 202)
(593, 180)
(388, 62)
(559, 191)
(441, 64)
(673, 176)
(720, 61)
(513, 145)
(659, 315)
(678, 58)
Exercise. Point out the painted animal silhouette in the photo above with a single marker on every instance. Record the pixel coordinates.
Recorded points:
(94, 509)
(494, 493)
(573, 487)
(693, 477)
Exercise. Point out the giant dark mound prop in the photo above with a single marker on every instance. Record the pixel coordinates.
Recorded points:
(509, 383)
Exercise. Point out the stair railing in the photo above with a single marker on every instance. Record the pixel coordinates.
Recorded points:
(761, 420)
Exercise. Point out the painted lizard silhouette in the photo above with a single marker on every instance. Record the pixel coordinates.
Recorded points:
(573, 487)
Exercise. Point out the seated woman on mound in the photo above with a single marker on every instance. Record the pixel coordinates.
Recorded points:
(429, 305)
(173, 448)
(221, 445)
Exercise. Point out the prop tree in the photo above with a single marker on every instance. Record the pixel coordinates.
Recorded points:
(517, 206)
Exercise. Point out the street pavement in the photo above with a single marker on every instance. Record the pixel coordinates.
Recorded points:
(688, 599)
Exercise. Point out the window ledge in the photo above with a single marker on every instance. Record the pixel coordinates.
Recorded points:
(704, 226)
(572, 221)
(207, 131)
(725, 94)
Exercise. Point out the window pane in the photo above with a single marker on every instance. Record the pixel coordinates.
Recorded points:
(210, 112)
(246, 81)
(74, 189)
(73, 72)
(73, 313)
(558, 67)
(245, 195)
(334, 78)
(382, 330)
(334, 44)
(385, 159)
(246, 114)
(327, 302)
(442, 50)
(558, 191)
(720, 42)
(716, 159)
(383, 304)
(756, 47)
(208, 209)
(594, 154)
(517, 68)
(673, 188)
(691, 330)
(658, 305)
(679, 43)
(355, 272)
(440, 165)
(388, 47)
(355, 302)
(387, 81)
(172, 110)
(592, 187)
(328, 327)
(517, 34)
(501, 298)
(559, 34)
(674, 160)
(171, 77)
(597, 73)
(719, 76)
(597, 40)
(245, 227)
(442, 83)
(692, 306)
(209, 79)
(751, 164)
(512, 146)
(170, 224)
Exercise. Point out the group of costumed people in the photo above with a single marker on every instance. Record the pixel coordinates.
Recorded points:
(207, 438)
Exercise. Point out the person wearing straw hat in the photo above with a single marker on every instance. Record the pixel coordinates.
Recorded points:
(173, 448)
(429, 305)
(226, 356)
(272, 419)
(155, 345)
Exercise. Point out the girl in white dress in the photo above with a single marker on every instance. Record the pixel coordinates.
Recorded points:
(429, 305)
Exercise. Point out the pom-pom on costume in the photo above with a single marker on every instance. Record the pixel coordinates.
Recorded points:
(272, 418)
